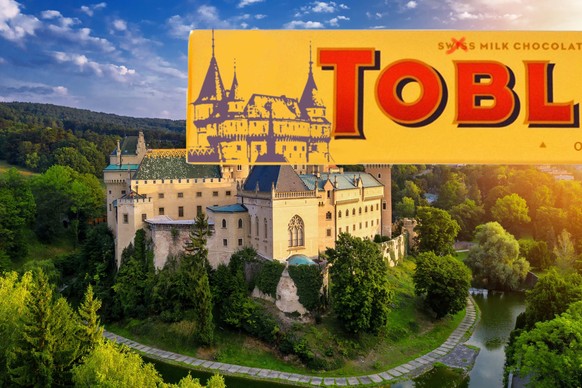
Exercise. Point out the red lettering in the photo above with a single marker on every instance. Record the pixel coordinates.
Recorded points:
(541, 109)
(482, 81)
(391, 82)
(348, 66)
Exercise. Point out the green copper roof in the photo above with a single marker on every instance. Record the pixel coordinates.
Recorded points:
(123, 167)
(171, 164)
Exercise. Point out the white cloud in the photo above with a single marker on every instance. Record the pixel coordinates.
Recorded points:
(321, 7)
(81, 36)
(301, 24)
(244, 3)
(61, 90)
(515, 14)
(334, 22)
(179, 27)
(260, 16)
(120, 24)
(90, 9)
(14, 25)
(56, 15)
(411, 4)
(2, 60)
(119, 73)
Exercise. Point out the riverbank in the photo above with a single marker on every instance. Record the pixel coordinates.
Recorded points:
(453, 347)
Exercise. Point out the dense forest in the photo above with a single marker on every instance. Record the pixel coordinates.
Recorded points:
(36, 136)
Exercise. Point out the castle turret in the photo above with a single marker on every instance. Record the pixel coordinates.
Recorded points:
(235, 101)
(212, 92)
(310, 102)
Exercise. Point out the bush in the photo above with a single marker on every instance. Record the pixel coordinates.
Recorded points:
(268, 277)
(443, 281)
(309, 280)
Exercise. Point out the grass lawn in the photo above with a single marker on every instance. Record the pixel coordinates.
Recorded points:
(5, 166)
(410, 332)
(461, 256)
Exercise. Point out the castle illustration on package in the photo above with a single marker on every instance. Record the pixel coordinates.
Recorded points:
(262, 129)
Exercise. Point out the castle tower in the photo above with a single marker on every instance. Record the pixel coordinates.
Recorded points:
(212, 92)
(310, 102)
(383, 173)
(235, 102)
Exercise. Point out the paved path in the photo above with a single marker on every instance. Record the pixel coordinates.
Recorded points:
(451, 352)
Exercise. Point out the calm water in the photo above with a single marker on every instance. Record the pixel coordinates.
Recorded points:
(498, 314)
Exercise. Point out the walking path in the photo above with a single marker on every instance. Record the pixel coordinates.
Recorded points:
(452, 353)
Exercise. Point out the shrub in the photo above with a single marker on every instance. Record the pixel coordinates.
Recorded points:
(309, 280)
(268, 277)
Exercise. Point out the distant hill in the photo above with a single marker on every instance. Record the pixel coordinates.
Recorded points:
(36, 136)
(48, 115)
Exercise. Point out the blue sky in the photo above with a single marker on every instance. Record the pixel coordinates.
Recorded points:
(130, 57)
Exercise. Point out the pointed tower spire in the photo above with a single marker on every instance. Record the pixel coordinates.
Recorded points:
(233, 95)
(212, 87)
(310, 97)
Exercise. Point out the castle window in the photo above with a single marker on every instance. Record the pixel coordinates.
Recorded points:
(328, 232)
(329, 194)
(360, 210)
(144, 216)
(377, 207)
(367, 223)
(353, 211)
(296, 231)
(215, 193)
(240, 223)
(328, 216)
(199, 194)
(339, 214)
(384, 206)
(379, 176)
(239, 167)
(238, 148)
(109, 191)
(228, 193)
(180, 211)
(347, 229)
(160, 195)
(360, 225)
(240, 242)
(224, 242)
(125, 218)
(266, 228)
(340, 230)
(161, 211)
(223, 223)
(366, 209)
(122, 192)
(180, 195)
(257, 226)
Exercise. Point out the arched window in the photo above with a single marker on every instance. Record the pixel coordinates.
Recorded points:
(353, 211)
(360, 210)
(366, 209)
(223, 223)
(266, 228)
(296, 232)
(257, 226)
(328, 216)
(339, 214)
(240, 223)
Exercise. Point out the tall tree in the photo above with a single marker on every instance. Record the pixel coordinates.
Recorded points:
(443, 282)
(468, 215)
(495, 259)
(91, 332)
(512, 212)
(47, 346)
(565, 253)
(436, 231)
(360, 290)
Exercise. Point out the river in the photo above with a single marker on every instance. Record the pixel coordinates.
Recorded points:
(498, 313)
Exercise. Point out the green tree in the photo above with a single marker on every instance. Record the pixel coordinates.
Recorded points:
(495, 259)
(14, 295)
(17, 210)
(535, 252)
(111, 365)
(405, 208)
(548, 222)
(47, 347)
(71, 157)
(551, 353)
(565, 253)
(91, 332)
(551, 296)
(512, 212)
(436, 231)
(443, 282)
(468, 215)
(360, 290)
(453, 192)
(309, 282)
